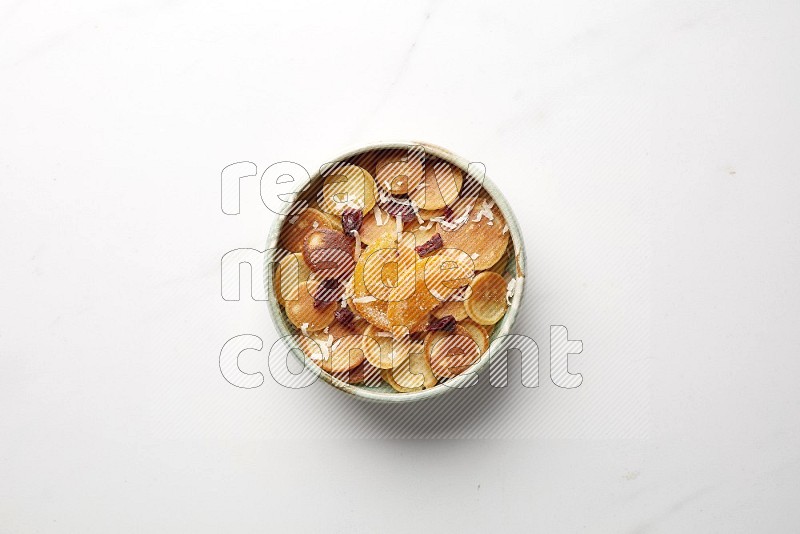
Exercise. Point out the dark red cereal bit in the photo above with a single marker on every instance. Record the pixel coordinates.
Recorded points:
(328, 291)
(448, 214)
(430, 246)
(344, 316)
(402, 208)
(351, 220)
(446, 323)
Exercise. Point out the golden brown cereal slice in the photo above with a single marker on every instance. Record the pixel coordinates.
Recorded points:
(330, 251)
(422, 232)
(479, 333)
(372, 229)
(291, 271)
(379, 353)
(447, 272)
(347, 186)
(400, 170)
(441, 186)
(296, 227)
(364, 373)
(304, 315)
(487, 303)
(502, 264)
(386, 375)
(427, 215)
(345, 354)
(344, 346)
(452, 307)
(481, 235)
(412, 310)
(315, 346)
(450, 354)
(438, 277)
(413, 373)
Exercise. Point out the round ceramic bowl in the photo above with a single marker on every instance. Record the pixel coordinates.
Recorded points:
(384, 393)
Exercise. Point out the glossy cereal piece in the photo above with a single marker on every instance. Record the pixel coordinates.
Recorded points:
(370, 274)
(487, 303)
(290, 272)
(441, 187)
(296, 228)
(412, 310)
(347, 186)
(301, 312)
(450, 354)
(478, 232)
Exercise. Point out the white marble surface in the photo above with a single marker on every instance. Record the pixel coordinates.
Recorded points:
(648, 150)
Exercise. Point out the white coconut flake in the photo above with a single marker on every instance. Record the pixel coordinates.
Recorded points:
(505, 230)
(510, 290)
(399, 223)
(485, 211)
(416, 212)
(356, 205)
(379, 220)
(304, 329)
(474, 256)
(355, 234)
(316, 356)
(426, 226)
(327, 329)
(447, 224)
(365, 299)
(315, 224)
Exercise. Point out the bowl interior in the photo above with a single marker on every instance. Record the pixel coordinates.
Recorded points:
(516, 266)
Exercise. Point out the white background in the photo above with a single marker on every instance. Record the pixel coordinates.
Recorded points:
(648, 149)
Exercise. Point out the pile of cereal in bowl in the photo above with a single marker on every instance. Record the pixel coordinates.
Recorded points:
(394, 268)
